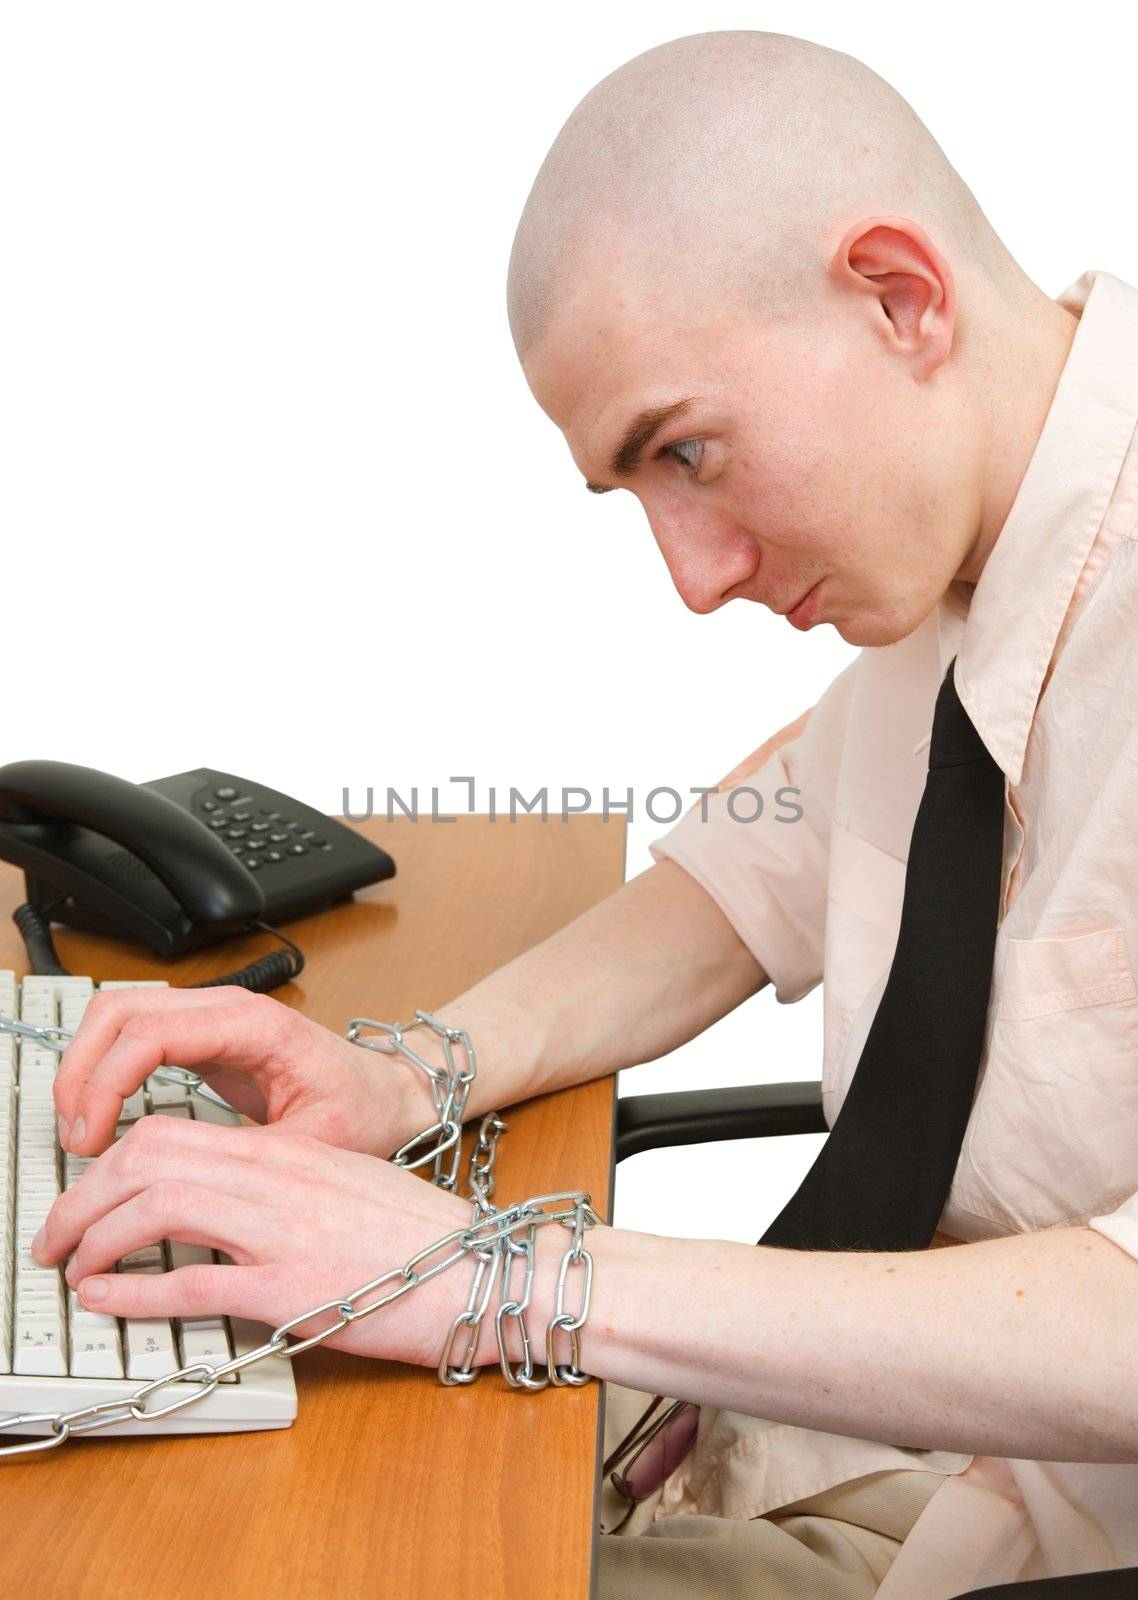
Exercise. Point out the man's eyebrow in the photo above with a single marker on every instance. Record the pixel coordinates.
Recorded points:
(636, 439)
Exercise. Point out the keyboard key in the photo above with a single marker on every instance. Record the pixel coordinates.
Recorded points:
(165, 1094)
(203, 1339)
(39, 1347)
(96, 1345)
(147, 1259)
(150, 1348)
(206, 1110)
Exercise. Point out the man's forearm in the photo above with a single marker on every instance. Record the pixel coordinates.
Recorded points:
(637, 975)
(1019, 1347)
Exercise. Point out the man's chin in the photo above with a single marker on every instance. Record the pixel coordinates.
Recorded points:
(871, 630)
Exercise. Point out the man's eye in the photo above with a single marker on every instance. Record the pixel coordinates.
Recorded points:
(688, 452)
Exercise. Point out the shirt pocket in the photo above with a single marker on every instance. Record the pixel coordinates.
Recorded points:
(1045, 976)
(1051, 1137)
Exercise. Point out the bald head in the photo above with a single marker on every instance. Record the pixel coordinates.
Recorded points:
(729, 164)
(749, 288)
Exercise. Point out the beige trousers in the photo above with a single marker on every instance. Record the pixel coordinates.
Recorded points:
(837, 1545)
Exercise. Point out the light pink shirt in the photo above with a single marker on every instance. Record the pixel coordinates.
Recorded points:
(1047, 667)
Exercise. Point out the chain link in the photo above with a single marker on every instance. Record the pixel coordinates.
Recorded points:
(489, 1238)
(521, 1376)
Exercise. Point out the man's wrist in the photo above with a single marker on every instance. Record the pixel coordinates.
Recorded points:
(404, 1096)
(551, 1241)
(506, 1035)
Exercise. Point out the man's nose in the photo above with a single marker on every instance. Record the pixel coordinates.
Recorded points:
(706, 557)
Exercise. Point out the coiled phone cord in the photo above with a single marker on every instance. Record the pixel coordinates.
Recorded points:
(267, 972)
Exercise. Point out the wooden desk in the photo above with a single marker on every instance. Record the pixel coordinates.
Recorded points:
(387, 1485)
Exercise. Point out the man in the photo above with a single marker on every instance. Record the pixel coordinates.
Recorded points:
(749, 288)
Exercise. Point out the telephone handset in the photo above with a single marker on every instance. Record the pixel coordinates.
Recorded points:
(175, 863)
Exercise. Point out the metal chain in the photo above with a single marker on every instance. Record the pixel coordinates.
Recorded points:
(489, 1238)
(451, 1089)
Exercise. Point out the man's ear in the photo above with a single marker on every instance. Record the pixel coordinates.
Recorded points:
(893, 260)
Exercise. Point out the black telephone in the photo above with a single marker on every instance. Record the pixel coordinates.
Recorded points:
(176, 863)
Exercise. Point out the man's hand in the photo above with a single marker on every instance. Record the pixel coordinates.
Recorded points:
(303, 1223)
(271, 1063)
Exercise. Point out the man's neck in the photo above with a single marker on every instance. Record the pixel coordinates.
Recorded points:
(1015, 407)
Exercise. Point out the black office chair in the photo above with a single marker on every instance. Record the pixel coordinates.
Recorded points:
(761, 1111)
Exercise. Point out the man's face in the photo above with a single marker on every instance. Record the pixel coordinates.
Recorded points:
(808, 471)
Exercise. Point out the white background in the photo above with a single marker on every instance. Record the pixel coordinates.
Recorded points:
(275, 496)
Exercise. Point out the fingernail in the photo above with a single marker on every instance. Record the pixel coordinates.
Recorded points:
(79, 1131)
(64, 1129)
(92, 1290)
(37, 1243)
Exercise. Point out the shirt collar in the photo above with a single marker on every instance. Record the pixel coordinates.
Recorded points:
(1025, 588)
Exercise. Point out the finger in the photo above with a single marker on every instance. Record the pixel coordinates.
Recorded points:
(197, 1291)
(235, 1033)
(234, 1161)
(242, 1228)
(103, 1018)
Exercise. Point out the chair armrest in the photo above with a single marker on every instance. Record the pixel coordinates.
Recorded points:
(700, 1116)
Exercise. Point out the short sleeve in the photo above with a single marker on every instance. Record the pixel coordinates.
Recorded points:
(767, 868)
(1120, 1225)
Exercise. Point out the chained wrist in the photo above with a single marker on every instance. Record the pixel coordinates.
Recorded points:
(525, 1304)
(448, 1083)
(512, 1276)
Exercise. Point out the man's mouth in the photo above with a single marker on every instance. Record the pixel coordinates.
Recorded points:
(803, 612)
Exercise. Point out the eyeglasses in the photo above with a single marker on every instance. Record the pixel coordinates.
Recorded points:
(651, 1451)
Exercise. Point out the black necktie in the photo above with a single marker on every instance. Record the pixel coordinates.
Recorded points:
(882, 1177)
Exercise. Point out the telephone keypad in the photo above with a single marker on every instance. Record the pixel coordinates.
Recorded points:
(257, 836)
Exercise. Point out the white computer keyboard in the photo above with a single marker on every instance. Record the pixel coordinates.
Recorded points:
(54, 1354)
